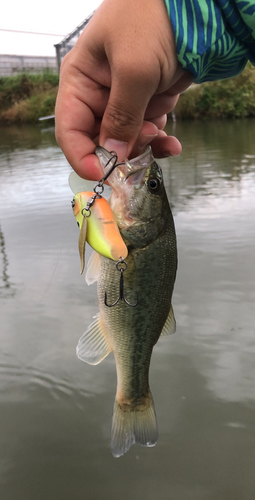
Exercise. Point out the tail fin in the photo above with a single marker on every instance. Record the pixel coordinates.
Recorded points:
(133, 426)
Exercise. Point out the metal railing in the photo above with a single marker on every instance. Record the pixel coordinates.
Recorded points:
(63, 47)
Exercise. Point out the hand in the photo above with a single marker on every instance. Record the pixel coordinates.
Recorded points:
(117, 84)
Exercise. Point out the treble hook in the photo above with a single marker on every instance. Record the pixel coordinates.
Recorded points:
(121, 295)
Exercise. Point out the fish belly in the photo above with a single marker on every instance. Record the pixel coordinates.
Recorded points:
(133, 331)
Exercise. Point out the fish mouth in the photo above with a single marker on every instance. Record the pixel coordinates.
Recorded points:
(143, 160)
(124, 179)
(136, 177)
(137, 166)
(123, 170)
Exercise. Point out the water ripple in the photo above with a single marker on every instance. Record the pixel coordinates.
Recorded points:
(18, 377)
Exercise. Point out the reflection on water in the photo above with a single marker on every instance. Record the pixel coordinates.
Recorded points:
(219, 201)
(5, 285)
(55, 410)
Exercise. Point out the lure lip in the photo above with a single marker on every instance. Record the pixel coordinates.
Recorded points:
(79, 185)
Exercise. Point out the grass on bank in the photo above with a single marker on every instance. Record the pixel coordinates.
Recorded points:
(231, 98)
(26, 97)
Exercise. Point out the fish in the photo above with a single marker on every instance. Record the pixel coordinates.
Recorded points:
(144, 218)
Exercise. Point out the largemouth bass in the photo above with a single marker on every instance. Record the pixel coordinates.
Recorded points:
(140, 205)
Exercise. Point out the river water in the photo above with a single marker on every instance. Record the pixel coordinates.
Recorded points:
(55, 411)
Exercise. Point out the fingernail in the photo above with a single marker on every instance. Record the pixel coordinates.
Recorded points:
(118, 146)
(167, 154)
(146, 139)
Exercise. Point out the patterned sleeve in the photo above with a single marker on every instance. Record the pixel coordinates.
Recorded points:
(214, 38)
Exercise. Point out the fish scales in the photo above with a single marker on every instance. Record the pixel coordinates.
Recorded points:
(136, 330)
(145, 221)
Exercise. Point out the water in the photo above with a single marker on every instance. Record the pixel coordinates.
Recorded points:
(56, 411)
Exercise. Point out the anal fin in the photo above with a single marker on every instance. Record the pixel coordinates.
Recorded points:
(93, 346)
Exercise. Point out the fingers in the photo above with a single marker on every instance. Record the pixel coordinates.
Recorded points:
(164, 146)
(116, 87)
(126, 122)
(76, 123)
(161, 104)
(124, 114)
(143, 62)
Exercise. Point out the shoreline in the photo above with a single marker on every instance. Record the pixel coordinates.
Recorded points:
(25, 98)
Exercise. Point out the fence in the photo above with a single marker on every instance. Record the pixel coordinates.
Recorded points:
(69, 41)
(12, 65)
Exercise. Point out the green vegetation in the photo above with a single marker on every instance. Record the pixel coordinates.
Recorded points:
(26, 97)
(232, 98)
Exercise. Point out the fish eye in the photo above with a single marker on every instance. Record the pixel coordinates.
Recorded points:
(153, 184)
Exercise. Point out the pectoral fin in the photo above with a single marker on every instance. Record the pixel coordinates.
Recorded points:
(93, 268)
(93, 346)
(170, 324)
(82, 242)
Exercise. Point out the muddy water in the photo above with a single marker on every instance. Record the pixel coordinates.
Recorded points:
(55, 411)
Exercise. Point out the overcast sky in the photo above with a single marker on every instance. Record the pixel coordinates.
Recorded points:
(48, 16)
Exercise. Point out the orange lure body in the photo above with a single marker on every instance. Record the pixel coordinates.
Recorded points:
(102, 232)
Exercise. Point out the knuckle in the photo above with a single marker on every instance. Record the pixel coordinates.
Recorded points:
(121, 118)
(136, 71)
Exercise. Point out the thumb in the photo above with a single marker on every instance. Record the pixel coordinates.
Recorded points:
(124, 113)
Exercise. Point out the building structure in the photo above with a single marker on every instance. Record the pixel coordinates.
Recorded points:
(11, 65)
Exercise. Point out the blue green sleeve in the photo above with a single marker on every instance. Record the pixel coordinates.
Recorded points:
(214, 38)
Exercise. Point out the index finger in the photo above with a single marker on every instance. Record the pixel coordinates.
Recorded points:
(75, 126)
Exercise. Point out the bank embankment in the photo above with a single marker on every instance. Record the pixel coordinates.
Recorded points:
(25, 98)
(231, 98)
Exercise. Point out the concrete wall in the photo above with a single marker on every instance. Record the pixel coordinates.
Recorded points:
(12, 65)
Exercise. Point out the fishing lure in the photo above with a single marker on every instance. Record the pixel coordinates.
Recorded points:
(98, 227)
(96, 220)
(121, 266)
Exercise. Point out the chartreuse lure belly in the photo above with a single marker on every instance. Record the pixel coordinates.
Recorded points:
(98, 227)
